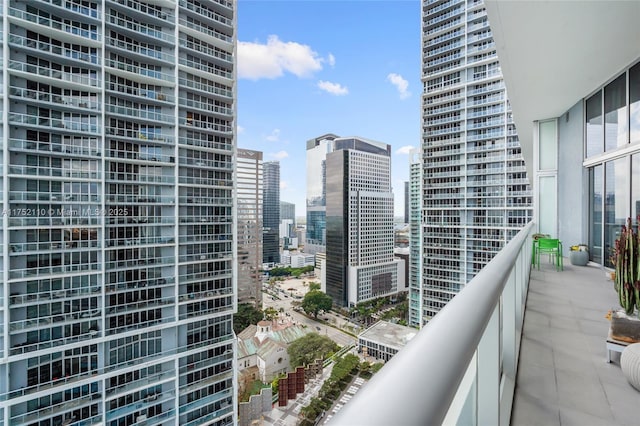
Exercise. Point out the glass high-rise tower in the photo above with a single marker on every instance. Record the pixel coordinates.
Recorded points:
(117, 251)
(476, 194)
(271, 212)
(249, 212)
(317, 150)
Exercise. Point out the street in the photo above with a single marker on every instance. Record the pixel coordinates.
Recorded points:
(283, 301)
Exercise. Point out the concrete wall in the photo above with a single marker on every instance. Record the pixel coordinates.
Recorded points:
(248, 412)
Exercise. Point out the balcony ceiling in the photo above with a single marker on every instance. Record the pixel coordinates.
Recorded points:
(554, 53)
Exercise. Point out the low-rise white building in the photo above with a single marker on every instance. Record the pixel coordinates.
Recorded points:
(262, 348)
(384, 339)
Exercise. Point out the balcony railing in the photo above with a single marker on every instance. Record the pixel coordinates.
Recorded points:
(460, 368)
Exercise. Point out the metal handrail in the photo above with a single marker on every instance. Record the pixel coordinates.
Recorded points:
(419, 384)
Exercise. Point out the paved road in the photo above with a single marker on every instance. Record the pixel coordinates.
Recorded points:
(335, 334)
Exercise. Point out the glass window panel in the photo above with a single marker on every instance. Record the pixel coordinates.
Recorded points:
(594, 132)
(615, 109)
(548, 207)
(616, 202)
(595, 212)
(548, 145)
(634, 102)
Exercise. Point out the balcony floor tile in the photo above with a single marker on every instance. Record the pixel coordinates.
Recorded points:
(563, 377)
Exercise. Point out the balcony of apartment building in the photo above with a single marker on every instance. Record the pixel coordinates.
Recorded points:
(539, 354)
(528, 347)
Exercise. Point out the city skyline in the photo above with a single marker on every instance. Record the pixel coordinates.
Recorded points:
(299, 77)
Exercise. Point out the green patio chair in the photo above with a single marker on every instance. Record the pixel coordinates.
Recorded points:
(551, 247)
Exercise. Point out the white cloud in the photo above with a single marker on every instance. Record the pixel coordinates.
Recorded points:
(333, 88)
(280, 155)
(331, 59)
(405, 149)
(284, 184)
(274, 136)
(240, 130)
(400, 83)
(273, 59)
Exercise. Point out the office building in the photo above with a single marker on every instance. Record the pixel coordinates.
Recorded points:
(249, 212)
(288, 225)
(118, 246)
(359, 214)
(317, 150)
(271, 212)
(476, 195)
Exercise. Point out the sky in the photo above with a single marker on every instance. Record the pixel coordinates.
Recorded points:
(307, 68)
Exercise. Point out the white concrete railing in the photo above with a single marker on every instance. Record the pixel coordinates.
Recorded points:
(461, 367)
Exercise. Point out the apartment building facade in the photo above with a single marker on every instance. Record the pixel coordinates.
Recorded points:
(117, 247)
(476, 194)
(249, 213)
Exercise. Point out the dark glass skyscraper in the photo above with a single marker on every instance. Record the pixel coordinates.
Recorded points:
(359, 212)
(271, 212)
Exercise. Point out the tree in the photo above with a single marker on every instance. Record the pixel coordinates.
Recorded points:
(247, 315)
(270, 313)
(314, 286)
(316, 301)
(308, 348)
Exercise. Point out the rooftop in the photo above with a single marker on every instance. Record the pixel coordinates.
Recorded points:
(563, 377)
(389, 334)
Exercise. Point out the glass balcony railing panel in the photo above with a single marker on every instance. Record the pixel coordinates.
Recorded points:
(140, 325)
(141, 28)
(141, 50)
(137, 198)
(480, 368)
(185, 121)
(54, 270)
(86, 78)
(77, 8)
(67, 123)
(205, 67)
(52, 98)
(206, 30)
(82, 33)
(52, 171)
(136, 8)
(63, 52)
(120, 264)
(150, 380)
(138, 92)
(52, 246)
(216, 201)
(139, 134)
(214, 53)
(141, 113)
(82, 147)
(140, 70)
(205, 144)
(41, 414)
(206, 13)
(205, 88)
